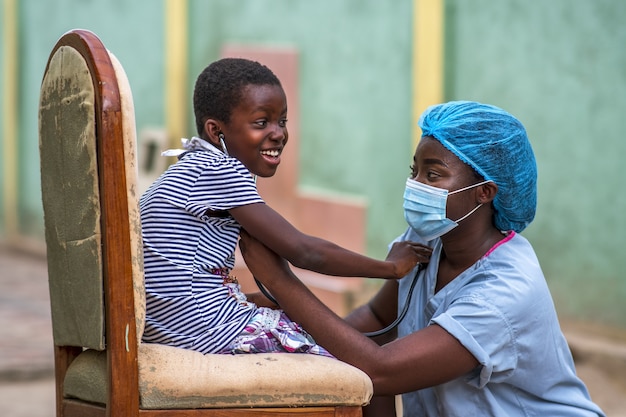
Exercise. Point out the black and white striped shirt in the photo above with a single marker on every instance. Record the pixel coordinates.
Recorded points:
(187, 303)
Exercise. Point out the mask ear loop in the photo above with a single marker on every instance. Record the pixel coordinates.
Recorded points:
(475, 208)
(468, 187)
(470, 213)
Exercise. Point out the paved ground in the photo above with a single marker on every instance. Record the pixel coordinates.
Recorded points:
(26, 358)
(26, 361)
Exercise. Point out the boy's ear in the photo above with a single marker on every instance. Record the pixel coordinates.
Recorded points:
(212, 128)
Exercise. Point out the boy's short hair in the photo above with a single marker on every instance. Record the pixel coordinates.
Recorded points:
(219, 87)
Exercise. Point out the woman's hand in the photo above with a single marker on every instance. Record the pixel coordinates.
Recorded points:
(406, 254)
(260, 259)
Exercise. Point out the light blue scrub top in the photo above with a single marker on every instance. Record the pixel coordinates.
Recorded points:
(502, 312)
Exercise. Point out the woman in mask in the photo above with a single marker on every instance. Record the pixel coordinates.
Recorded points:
(481, 335)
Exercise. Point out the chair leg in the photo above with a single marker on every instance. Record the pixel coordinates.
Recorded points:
(63, 357)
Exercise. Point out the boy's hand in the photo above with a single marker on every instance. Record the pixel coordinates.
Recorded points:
(405, 255)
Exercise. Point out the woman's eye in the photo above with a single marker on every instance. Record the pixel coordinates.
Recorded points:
(282, 122)
(261, 123)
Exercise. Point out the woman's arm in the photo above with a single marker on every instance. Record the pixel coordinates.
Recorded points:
(261, 300)
(319, 255)
(378, 313)
(425, 358)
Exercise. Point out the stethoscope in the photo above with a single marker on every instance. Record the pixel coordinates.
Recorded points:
(375, 333)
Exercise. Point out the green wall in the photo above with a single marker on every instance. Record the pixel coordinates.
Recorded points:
(355, 63)
(131, 29)
(355, 90)
(560, 66)
(2, 151)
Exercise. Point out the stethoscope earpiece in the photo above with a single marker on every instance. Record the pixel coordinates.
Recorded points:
(220, 136)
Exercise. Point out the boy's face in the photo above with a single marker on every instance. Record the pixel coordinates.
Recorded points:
(257, 131)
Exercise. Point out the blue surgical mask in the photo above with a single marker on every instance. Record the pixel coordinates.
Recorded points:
(425, 209)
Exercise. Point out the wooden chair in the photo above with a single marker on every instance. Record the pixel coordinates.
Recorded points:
(93, 236)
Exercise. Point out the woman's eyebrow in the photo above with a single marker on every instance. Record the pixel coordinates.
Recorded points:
(435, 161)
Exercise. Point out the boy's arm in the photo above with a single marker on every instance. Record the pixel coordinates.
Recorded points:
(319, 255)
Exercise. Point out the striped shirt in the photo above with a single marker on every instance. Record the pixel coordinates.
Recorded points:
(188, 302)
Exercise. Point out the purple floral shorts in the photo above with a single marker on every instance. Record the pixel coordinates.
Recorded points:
(272, 331)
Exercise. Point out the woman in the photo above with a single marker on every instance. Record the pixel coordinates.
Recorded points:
(481, 336)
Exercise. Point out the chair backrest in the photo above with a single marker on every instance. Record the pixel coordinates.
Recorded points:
(93, 231)
(71, 200)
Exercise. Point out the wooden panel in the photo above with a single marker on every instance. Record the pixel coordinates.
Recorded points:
(259, 412)
(76, 408)
(72, 408)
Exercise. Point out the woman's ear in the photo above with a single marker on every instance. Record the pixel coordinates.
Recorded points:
(212, 129)
(487, 192)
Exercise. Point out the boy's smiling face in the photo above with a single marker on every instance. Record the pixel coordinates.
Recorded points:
(257, 130)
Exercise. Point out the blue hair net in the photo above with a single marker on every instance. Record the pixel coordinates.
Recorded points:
(495, 144)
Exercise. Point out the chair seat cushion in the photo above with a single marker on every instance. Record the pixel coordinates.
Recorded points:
(171, 377)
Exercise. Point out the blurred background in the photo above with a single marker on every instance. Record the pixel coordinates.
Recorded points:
(358, 73)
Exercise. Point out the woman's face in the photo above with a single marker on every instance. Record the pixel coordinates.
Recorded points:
(436, 166)
(257, 131)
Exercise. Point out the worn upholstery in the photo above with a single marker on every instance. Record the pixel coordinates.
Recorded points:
(168, 377)
(180, 378)
(70, 196)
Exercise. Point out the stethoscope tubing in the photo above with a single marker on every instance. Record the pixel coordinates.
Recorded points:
(375, 333)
